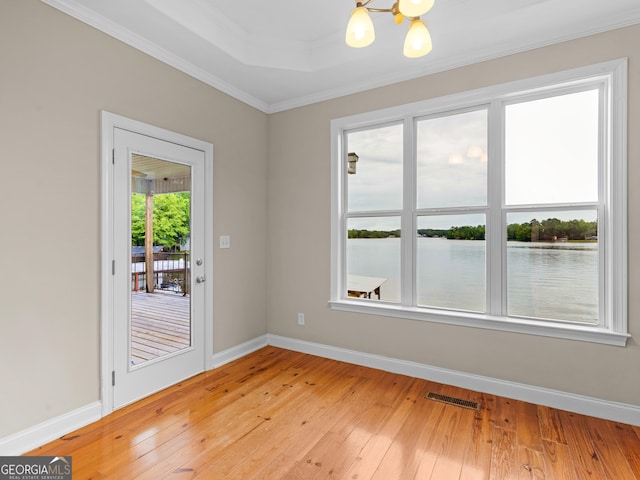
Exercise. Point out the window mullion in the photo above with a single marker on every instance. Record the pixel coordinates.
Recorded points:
(495, 237)
(408, 220)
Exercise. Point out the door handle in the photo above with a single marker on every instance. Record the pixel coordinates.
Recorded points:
(200, 279)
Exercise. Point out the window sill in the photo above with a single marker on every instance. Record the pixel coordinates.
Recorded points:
(581, 333)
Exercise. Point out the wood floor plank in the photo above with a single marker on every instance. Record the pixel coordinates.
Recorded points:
(403, 456)
(352, 434)
(366, 463)
(504, 454)
(246, 414)
(531, 464)
(506, 415)
(292, 445)
(558, 461)
(283, 415)
(450, 439)
(550, 425)
(581, 447)
(278, 414)
(629, 440)
(477, 459)
(341, 423)
(528, 426)
(608, 451)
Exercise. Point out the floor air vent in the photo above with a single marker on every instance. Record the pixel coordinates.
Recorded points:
(453, 401)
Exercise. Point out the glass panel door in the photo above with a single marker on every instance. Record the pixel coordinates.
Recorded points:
(159, 264)
(160, 261)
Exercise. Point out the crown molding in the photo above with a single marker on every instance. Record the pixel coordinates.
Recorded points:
(319, 60)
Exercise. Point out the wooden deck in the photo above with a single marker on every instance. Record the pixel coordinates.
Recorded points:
(159, 324)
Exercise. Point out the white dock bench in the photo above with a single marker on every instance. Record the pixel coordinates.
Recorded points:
(360, 286)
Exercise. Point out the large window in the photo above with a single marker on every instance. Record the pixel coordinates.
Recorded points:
(503, 208)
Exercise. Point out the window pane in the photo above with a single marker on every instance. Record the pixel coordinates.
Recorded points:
(377, 181)
(450, 264)
(551, 150)
(452, 160)
(552, 265)
(373, 258)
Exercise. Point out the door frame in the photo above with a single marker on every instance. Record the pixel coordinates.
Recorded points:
(110, 121)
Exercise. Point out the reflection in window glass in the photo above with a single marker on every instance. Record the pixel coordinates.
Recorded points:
(373, 258)
(551, 149)
(377, 181)
(552, 265)
(451, 262)
(452, 160)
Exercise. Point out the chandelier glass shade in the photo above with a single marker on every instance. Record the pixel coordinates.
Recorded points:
(360, 31)
(415, 8)
(417, 43)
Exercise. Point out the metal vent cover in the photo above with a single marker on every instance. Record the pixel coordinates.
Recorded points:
(453, 401)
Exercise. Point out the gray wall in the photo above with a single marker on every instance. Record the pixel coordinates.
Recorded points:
(299, 240)
(56, 74)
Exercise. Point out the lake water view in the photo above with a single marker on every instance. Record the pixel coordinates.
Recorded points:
(544, 280)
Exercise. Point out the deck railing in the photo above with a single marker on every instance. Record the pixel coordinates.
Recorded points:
(170, 272)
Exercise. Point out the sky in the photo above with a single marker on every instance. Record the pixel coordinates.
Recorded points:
(551, 156)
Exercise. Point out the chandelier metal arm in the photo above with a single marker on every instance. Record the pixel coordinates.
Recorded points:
(393, 9)
(380, 9)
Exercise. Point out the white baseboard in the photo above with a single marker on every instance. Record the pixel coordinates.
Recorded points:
(45, 432)
(238, 351)
(33, 437)
(618, 412)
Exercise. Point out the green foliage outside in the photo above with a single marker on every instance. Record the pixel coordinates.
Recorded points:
(373, 233)
(551, 229)
(171, 219)
(535, 231)
(466, 233)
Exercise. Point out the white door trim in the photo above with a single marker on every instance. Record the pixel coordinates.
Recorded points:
(109, 122)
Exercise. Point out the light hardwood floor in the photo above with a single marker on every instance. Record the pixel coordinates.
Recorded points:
(277, 414)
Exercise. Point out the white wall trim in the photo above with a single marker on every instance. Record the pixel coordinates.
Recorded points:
(618, 412)
(235, 352)
(45, 432)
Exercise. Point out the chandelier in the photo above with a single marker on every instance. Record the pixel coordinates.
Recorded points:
(417, 43)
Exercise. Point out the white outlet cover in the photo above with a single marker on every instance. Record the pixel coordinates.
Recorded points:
(225, 241)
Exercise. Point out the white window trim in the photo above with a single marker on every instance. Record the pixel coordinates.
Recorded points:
(614, 330)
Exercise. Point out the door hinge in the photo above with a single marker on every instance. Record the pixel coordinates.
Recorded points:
(113, 156)
(113, 378)
(113, 267)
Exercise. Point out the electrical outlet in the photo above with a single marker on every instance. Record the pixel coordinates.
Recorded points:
(300, 318)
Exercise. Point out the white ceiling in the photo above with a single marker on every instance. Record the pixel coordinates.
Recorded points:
(280, 54)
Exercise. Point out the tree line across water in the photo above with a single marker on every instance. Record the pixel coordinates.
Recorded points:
(547, 230)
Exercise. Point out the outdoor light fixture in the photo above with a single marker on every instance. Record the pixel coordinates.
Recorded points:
(360, 32)
(352, 158)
